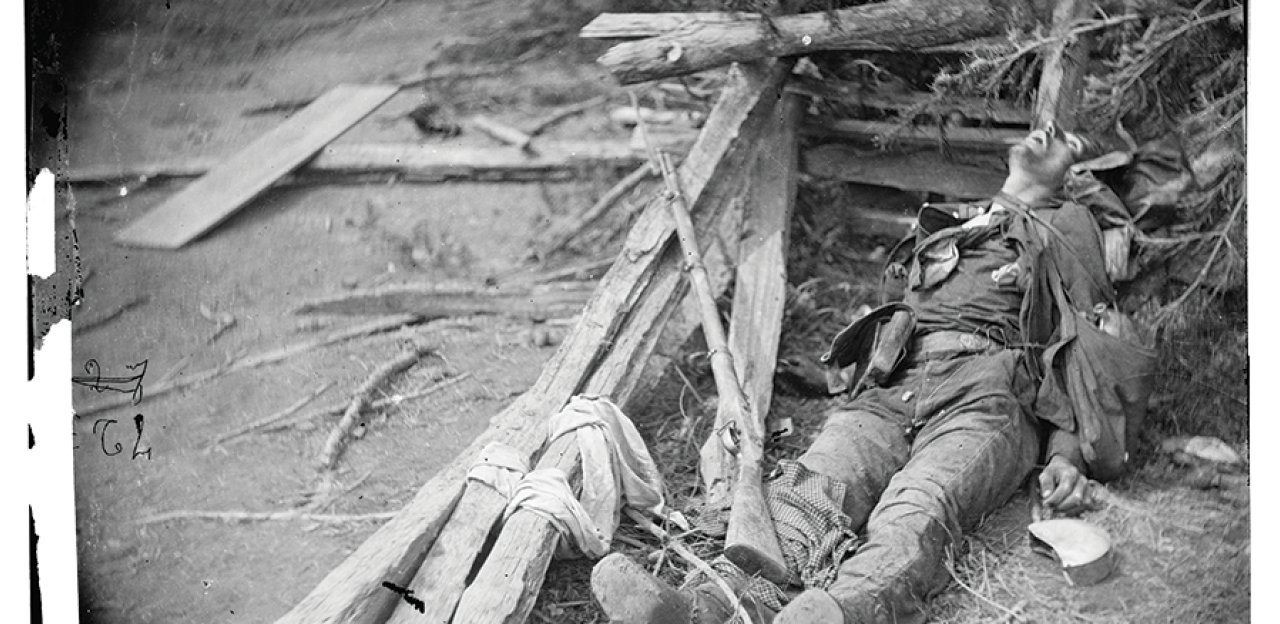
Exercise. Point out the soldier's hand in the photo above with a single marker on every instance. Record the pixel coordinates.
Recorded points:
(1063, 488)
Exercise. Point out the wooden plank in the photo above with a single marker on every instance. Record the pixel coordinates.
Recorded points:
(911, 171)
(539, 302)
(602, 354)
(220, 193)
(528, 539)
(760, 286)
(873, 132)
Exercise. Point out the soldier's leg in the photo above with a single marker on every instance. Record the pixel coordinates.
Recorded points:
(963, 465)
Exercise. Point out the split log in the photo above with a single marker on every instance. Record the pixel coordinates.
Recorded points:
(760, 288)
(1062, 77)
(913, 171)
(507, 585)
(886, 132)
(604, 354)
(431, 302)
(993, 110)
(894, 25)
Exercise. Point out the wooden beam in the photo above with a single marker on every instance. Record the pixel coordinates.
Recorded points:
(542, 302)
(412, 162)
(1062, 77)
(890, 133)
(925, 170)
(894, 25)
(217, 195)
(996, 111)
(760, 286)
(603, 354)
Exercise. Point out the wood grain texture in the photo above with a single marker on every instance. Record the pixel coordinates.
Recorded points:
(894, 25)
(442, 576)
(910, 171)
(894, 134)
(591, 352)
(1061, 86)
(217, 195)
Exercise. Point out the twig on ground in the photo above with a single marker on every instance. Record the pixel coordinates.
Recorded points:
(110, 315)
(264, 516)
(254, 361)
(597, 210)
(337, 440)
(338, 408)
(683, 551)
(274, 418)
(563, 113)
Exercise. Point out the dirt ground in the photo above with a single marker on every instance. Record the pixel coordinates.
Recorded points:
(171, 83)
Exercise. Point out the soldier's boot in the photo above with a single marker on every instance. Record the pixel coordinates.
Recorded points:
(630, 595)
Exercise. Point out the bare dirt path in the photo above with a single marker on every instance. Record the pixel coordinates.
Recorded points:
(172, 84)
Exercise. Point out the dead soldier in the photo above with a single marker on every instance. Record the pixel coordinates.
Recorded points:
(993, 363)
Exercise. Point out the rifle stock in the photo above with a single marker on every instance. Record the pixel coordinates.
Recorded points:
(751, 543)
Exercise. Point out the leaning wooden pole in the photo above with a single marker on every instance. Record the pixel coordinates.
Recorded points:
(1062, 76)
(894, 25)
(759, 293)
(508, 583)
(603, 354)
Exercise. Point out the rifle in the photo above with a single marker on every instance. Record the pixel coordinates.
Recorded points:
(751, 542)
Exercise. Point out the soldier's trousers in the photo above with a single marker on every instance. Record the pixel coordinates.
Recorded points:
(923, 460)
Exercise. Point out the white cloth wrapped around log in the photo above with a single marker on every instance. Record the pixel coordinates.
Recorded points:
(499, 466)
(616, 470)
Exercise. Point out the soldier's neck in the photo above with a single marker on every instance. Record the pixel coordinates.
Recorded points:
(1027, 190)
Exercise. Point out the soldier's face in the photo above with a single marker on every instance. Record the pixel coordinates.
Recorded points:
(1045, 155)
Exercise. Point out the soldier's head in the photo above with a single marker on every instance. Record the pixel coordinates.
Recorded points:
(1038, 165)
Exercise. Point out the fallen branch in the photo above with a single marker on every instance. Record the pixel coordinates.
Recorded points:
(337, 441)
(588, 219)
(504, 133)
(111, 315)
(338, 409)
(254, 361)
(265, 516)
(274, 418)
(432, 302)
(564, 112)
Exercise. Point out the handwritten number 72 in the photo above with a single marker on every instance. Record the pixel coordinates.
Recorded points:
(117, 448)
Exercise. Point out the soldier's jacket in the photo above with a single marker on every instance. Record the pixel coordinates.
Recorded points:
(1030, 278)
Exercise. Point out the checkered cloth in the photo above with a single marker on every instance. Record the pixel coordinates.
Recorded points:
(814, 532)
